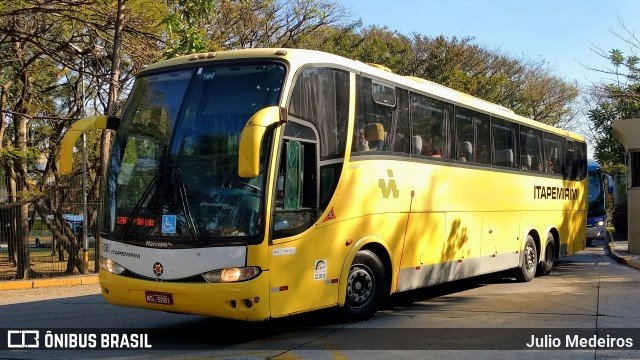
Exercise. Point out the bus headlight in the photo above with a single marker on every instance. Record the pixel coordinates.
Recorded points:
(111, 266)
(232, 274)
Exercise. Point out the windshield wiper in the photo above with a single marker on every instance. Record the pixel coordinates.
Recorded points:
(182, 191)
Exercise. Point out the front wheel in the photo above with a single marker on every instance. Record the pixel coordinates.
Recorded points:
(527, 270)
(366, 287)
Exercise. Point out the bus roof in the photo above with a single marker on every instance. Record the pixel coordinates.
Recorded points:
(300, 57)
(592, 165)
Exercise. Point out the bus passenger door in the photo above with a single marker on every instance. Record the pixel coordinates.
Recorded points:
(300, 270)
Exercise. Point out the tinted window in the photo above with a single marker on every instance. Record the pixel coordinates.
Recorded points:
(554, 153)
(472, 136)
(430, 119)
(321, 96)
(380, 126)
(505, 143)
(532, 157)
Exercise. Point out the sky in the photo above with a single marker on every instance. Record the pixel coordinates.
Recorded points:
(562, 33)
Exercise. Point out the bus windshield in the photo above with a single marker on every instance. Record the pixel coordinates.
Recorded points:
(596, 195)
(173, 175)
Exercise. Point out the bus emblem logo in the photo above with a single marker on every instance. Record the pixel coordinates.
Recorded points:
(157, 269)
(390, 187)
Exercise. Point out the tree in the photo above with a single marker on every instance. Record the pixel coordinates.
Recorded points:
(28, 78)
(608, 150)
(198, 26)
(52, 53)
(618, 98)
(529, 88)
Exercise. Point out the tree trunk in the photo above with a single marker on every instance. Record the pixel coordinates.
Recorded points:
(10, 218)
(24, 270)
(21, 230)
(105, 146)
(20, 169)
(113, 86)
(60, 250)
(10, 228)
(74, 260)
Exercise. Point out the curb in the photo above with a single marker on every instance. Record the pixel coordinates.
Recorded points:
(40, 283)
(617, 257)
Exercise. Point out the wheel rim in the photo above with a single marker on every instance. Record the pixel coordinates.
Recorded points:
(530, 258)
(360, 285)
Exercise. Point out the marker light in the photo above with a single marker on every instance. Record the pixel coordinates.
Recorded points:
(232, 274)
(111, 266)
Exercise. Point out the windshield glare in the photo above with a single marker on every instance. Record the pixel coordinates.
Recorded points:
(173, 171)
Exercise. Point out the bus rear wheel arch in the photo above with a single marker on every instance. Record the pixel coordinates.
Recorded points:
(366, 287)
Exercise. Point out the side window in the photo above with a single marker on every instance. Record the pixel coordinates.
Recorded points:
(296, 198)
(430, 119)
(554, 153)
(321, 96)
(402, 133)
(580, 163)
(505, 145)
(633, 162)
(472, 140)
(568, 169)
(575, 162)
(382, 118)
(532, 157)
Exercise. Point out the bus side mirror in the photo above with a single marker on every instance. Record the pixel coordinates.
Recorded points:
(73, 133)
(251, 138)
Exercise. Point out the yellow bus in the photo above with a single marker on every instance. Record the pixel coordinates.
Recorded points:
(260, 183)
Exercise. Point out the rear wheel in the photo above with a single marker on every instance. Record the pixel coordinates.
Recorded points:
(366, 287)
(549, 256)
(527, 270)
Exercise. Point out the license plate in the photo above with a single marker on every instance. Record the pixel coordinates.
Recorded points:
(159, 297)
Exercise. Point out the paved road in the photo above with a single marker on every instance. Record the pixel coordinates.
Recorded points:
(587, 292)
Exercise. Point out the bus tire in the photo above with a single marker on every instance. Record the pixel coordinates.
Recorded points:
(527, 271)
(366, 287)
(546, 265)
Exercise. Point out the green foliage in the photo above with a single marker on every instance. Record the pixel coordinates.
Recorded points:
(613, 169)
(616, 101)
(528, 88)
(29, 155)
(184, 23)
(608, 149)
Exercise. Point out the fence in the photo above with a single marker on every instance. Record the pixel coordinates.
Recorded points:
(51, 244)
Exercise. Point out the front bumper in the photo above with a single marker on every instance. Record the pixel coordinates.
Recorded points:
(247, 300)
(596, 232)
